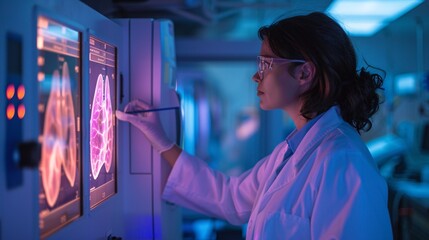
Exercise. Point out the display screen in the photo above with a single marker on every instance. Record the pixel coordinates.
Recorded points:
(102, 142)
(59, 79)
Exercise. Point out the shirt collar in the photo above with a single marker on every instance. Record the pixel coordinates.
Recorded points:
(296, 136)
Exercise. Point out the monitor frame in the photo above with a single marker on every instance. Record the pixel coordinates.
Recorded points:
(53, 217)
(101, 191)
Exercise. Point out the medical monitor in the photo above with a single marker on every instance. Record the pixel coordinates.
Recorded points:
(59, 109)
(102, 104)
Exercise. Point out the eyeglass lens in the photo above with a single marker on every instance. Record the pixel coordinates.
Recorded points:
(262, 66)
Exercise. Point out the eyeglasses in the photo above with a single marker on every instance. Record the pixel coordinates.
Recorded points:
(265, 63)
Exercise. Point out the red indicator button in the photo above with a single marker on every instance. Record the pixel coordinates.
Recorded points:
(10, 111)
(20, 93)
(21, 111)
(10, 91)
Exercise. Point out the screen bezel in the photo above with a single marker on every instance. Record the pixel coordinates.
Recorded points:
(93, 203)
(58, 213)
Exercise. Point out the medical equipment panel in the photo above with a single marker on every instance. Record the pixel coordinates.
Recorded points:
(59, 108)
(102, 136)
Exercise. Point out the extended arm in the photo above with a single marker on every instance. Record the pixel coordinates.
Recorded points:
(192, 183)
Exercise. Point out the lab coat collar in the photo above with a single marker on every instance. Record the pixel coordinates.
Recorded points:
(330, 120)
(295, 138)
(326, 124)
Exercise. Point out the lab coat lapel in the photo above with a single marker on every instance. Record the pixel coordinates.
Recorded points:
(273, 176)
(327, 123)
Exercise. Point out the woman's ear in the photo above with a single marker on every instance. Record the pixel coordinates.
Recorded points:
(306, 72)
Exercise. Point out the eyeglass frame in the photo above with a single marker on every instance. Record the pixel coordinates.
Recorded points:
(271, 60)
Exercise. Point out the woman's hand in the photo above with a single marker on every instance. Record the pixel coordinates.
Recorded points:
(147, 122)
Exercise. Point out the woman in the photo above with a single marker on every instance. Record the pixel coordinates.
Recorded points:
(321, 182)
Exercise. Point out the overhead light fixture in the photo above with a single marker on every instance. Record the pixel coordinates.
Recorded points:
(366, 17)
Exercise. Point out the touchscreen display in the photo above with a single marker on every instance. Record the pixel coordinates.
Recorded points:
(102, 142)
(59, 79)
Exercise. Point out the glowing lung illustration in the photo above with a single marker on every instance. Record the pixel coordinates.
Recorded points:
(59, 136)
(109, 130)
(101, 127)
(68, 127)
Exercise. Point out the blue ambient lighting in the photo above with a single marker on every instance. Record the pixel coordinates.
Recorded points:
(365, 18)
(405, 84)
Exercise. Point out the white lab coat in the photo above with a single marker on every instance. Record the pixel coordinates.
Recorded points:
(330, 188)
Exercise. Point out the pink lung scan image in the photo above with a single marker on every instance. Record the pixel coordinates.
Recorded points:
(59, 136)
(101, 127)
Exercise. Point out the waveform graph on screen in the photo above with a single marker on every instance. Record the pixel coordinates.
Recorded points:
(58, 60)
(102, 142)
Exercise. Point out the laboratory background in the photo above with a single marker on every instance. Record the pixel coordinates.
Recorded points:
(70, 170)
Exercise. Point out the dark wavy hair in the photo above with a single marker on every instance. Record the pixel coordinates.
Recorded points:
(319, 39)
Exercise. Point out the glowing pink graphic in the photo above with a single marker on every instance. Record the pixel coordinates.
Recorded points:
(59, 136)
(101, 125)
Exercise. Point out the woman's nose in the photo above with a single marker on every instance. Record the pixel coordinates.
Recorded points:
(256, 77)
